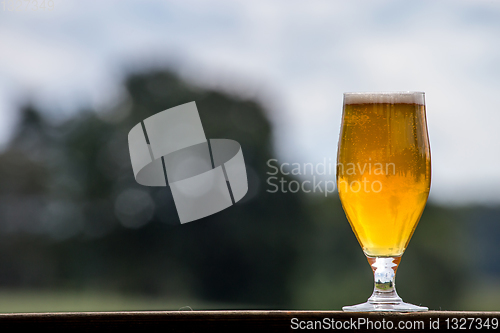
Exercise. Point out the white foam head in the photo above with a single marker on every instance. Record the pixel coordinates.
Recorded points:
(406, 97)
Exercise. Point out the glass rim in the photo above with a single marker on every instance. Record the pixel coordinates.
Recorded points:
(391, 97)
(386, 93)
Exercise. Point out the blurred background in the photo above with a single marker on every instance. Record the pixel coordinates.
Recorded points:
(77, 233)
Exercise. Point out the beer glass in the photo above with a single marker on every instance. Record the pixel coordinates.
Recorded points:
(383, 179)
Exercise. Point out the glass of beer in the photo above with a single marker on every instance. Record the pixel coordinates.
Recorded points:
(383, 179)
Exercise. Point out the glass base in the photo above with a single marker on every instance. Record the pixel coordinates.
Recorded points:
(384, 297)
(398, 307)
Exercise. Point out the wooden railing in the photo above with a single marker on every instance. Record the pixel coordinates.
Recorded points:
(255, 321)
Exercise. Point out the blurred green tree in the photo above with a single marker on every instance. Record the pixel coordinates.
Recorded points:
(72, 216)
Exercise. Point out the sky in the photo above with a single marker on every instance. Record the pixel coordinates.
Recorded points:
(297, 57)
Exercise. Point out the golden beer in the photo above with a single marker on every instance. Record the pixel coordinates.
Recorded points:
(383, 169)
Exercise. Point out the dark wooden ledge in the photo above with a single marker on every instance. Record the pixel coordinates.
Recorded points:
(255, 321)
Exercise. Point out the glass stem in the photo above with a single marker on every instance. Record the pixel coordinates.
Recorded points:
(384, 274)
